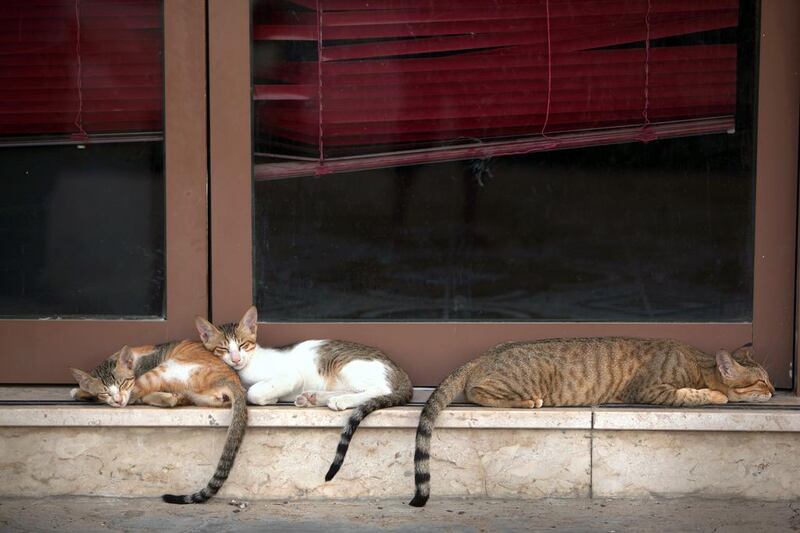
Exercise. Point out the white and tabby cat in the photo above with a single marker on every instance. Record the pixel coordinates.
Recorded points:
(339, 374)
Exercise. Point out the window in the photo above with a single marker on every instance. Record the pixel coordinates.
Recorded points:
(418, 162)
(81, 152)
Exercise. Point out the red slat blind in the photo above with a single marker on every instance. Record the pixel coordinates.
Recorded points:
(76, 68)
(403, 81)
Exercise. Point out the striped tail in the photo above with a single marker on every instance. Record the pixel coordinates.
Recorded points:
(399, 397)
(441, 398)
(232, 441)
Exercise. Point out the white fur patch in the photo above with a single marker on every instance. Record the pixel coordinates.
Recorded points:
(176, 371)
(361, 375)
(298, 366)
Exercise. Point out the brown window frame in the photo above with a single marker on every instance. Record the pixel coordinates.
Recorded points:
(40, 351)
(430, 350)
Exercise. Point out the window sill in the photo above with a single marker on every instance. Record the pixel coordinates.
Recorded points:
(781, 414)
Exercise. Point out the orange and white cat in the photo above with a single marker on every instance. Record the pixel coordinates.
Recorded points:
(166, 375)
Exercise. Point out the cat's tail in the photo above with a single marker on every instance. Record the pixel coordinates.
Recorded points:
(441, 398)
(232, 442)
(398, 397)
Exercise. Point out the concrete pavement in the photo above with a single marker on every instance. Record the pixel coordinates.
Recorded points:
(355, 516)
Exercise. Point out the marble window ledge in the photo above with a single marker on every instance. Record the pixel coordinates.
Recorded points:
(781, 414)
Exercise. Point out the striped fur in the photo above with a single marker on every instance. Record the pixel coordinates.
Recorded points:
(441, 398)
(339, 374)
(398, 397)
(232, 442)
(590, 371)
(170, 374)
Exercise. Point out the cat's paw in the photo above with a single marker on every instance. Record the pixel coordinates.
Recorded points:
(715, 396)
(337, 404)
(262, 393)
(81, 395)
(306, 399)
(160, 399)
(531, 404)
(263, 401)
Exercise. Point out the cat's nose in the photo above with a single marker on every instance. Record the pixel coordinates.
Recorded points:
(235, 357)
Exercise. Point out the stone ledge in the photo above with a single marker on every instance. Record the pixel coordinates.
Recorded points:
(288, 416)
(705, 419)
(457, 417)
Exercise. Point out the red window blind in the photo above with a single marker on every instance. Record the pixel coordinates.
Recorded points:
(370, 83)
(80, 69)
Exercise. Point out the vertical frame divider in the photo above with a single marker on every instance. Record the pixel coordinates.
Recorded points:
(185, 163)
(231, 152)
(776, 181)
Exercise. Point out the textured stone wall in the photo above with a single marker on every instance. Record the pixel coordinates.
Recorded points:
(633, 464)
(291, 462)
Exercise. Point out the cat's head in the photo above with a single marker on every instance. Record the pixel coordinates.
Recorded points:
(746, 379)
(234, 343)
(112, 381)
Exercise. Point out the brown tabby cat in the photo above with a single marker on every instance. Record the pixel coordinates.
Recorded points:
(568, 372)
(175, 373)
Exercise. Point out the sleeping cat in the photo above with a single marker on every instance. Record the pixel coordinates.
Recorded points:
(175, 373)
(569, 372)
(338, 374)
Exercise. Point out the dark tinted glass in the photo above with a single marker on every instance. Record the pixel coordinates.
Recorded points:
(641, 232)
(82, 230)
(658, 231)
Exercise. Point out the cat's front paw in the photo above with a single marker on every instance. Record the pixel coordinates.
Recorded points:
(261, 394)
(261, 400)
(715, 396)
(337, 404)
(306, 399)
(81, 395)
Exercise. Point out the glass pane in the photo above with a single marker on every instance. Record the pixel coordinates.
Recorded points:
(657, 231)
(82, 160)
(82, 230)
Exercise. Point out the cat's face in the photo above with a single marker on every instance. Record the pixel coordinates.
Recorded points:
(234, 343)
(746, 379)
(112, 381)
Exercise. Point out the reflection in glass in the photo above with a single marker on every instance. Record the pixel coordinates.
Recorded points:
(82, 231)
(503, 162)
(655, 232)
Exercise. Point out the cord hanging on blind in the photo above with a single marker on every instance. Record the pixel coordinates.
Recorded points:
(422, 81)
(80, 69)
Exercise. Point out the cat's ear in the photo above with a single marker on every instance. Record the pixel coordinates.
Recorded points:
(126, 358)
(744, 353)
(206, 329)
(249, 321)
(85, 381)
(728, 368)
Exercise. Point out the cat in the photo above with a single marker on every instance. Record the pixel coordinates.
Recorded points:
(339, 374)
(166, 375)
(589, 371)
